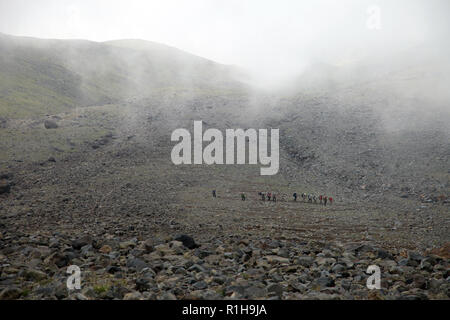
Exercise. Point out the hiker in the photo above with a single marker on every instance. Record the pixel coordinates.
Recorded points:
(295, 196)
(263, 196)
(331, 200)
(304, 196)
(321, 199)
(214, 194)
(315, 199)
(325, 201)
(269, 195)
(274, 198)
(309, 198)
(243, 196)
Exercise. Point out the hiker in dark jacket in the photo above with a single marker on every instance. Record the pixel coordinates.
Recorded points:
(214, 194)
(295, 196)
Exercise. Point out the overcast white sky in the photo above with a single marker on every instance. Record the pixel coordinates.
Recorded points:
(283, 35)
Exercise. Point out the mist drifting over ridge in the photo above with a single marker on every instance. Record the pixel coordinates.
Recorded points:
(273, 43)
(399, 66)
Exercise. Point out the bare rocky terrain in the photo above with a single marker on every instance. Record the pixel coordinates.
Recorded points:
(94, 186)
(114, 205)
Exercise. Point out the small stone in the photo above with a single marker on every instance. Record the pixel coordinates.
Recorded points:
(239, 290)
(168, 296)
(283, 253)
(5, 187)
(228, 255)
(34, 275)
(86, 250)
(77, 244)
(79, 296)
(142, 284)
(105, 249)
(324, 282)
(60, 260)
(133, 296)
(197, 268)
(325, 261)
(414, 256)
(127, 244)
(176, 244)
(61, 291)
(49, 124)
(338, 268)
(136, 264)
(45, 291)
(187, 241)
(305, 261)
(364, 248)
(382, 254)
(149, 246)
(276, 259)
(113, 269)
(420, 282)
(200, 285)
(255, 292)
(275, 288)
(426, 265)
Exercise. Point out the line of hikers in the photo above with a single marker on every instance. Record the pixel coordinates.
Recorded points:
(310, 198)
(269, 195)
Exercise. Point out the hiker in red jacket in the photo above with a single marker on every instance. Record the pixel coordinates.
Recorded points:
(331, 200)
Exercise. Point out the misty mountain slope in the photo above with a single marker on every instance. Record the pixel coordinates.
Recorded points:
(104, 177)
(357, 155)
(355, 128)
(172, 60)
(408, 79)
(50, 76)
(372, 131)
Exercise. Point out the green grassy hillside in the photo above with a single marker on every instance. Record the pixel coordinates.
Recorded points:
(39, 77)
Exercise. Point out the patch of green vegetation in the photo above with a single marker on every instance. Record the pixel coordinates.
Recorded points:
(33, 143)
(25, 293)
(100, 289)
(221, 291)
(38, 144)
(45, 282)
